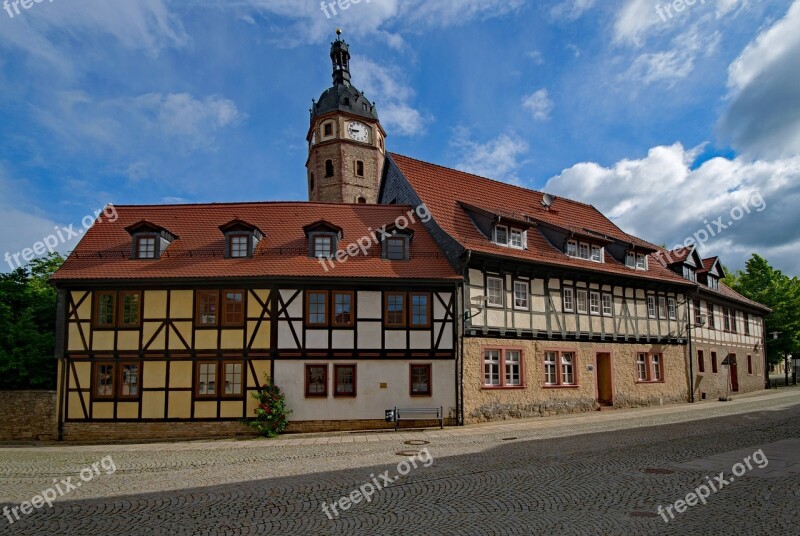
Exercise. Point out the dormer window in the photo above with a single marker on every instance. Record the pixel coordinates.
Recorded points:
(149, 240)
(630, 259)
(713, 283)
(322, 246)
(397, 247)
(323, 239)
(510, 237)
(690, 274)
(641, 261)
(241, 239)
(583, 250)
(637, 261)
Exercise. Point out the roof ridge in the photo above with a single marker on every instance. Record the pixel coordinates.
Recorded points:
(271, 203)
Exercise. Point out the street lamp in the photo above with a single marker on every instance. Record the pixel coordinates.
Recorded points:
(479, 303)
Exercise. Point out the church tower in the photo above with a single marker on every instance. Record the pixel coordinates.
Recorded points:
(345, 139)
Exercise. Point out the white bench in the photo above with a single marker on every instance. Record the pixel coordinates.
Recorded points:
(409, 414)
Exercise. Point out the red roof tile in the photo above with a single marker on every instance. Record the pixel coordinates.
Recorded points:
(444, 190)
(104, 253)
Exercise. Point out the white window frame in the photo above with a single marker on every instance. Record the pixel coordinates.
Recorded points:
(516, 232)
(651, 307)
(594, 303)
(641, 367)
(491, 367)
(489, 301)
(583, 251)
(569, 300)
(672, 308)
(662, 307)
(599, 254)
(512, 366)
(630, 260)
(497, 239)
(641, 261)
(567, 368)
(655, 368)
(608, 305)
(572, 248)
(585, 295)
(551, 368)
(518, 285)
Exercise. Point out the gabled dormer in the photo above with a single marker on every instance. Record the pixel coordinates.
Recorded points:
(685, 262)
(502, 228)
(149, 240)
(636, 260)
(711, 273)
(323, 239)
(241, 239)
(397, 245)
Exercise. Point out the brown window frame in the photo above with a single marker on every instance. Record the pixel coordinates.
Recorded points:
(332, 245)
(95, 319)
(401, 239)
(223, 376)
(750, 364)
(327, 129)
(307, 312)
(701, 361)
(96, 377)
(428, 312)
(403, 315)
(411, 368)
(197, 317)
(503, 367)
(336, 392)
(352, 295)
(224, 322)
(714, 367)
(121, 309)
(156, 252)
(196, 389)
(648, 362)
(309, 366)
(118, 389)
(712, 324)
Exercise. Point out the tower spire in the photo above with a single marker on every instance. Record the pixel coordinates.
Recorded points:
(340, 58)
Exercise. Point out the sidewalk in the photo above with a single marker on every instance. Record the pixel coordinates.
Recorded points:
(555, 426)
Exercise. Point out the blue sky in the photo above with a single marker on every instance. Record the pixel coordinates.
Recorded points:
(662, 123)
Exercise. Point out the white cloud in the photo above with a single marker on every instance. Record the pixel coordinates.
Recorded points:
(571, 9)
(675, 64)
(638, 20)
(498, 158)
(393, 93)
(538, 104)
(663, 199)
(536, 56)
(763, 119)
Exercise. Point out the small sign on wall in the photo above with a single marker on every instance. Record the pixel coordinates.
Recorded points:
(384, 385)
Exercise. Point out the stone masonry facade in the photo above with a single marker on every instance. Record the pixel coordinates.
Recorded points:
(28, 416)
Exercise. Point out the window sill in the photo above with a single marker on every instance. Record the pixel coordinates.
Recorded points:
(421, 395)
(502, 387)
(646, 382)
(560, 386)
(323, 397)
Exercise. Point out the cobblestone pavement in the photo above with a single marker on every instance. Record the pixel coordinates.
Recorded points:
(604, 473)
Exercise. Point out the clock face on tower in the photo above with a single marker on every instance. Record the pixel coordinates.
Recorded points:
(358, 131)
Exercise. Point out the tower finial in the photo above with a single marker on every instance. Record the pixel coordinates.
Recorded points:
(340, 57)
(338, 33)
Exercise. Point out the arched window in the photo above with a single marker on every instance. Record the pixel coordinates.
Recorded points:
(359, 168)
(327, 129)
(361, 200)
(311, 183)
(329, 168)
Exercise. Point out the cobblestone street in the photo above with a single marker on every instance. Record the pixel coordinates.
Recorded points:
(599, 473)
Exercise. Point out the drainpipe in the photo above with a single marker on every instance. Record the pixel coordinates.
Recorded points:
(462, 330)
(691, 360)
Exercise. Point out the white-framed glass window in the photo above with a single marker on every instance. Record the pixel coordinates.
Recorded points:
(594, 303)
(569, 300)
(597, 254)
(491, 368)
(641, 367)
(662, 307)
(641, 262)
(516, 239)
(494, 291)
(651, 306)
(513, 366)
(550, 370)
(501, 235)
(521, 295)
(607, 305)
(582, 298)
(567, 368)
(630, 259)
(671, 309)
(655, 363)
(572, 248)
(583, 250)
(146, 247)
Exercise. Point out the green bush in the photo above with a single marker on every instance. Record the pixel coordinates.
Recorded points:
(271, 413)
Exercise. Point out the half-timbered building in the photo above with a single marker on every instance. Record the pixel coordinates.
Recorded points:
(172, 317)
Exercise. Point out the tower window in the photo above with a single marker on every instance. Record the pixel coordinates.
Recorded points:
(359, 168)
(361, 200)
(327, 129)
(329, 168)
(311, 183)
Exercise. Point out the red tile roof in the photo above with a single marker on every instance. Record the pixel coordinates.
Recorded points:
(708, 264)
(445, 190)
(104, 253)
(728, 293)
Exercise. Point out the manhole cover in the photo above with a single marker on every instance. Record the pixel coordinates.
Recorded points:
(644, 514)
(408, 453)
(416, 442)
(657, 471)
(508, 439)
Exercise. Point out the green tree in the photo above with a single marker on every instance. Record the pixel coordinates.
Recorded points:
(763, 283)
(27, 325)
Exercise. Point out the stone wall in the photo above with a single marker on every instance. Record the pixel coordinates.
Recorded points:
(28, 416)
(711, 385)
(535, 399)
(134, 432)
